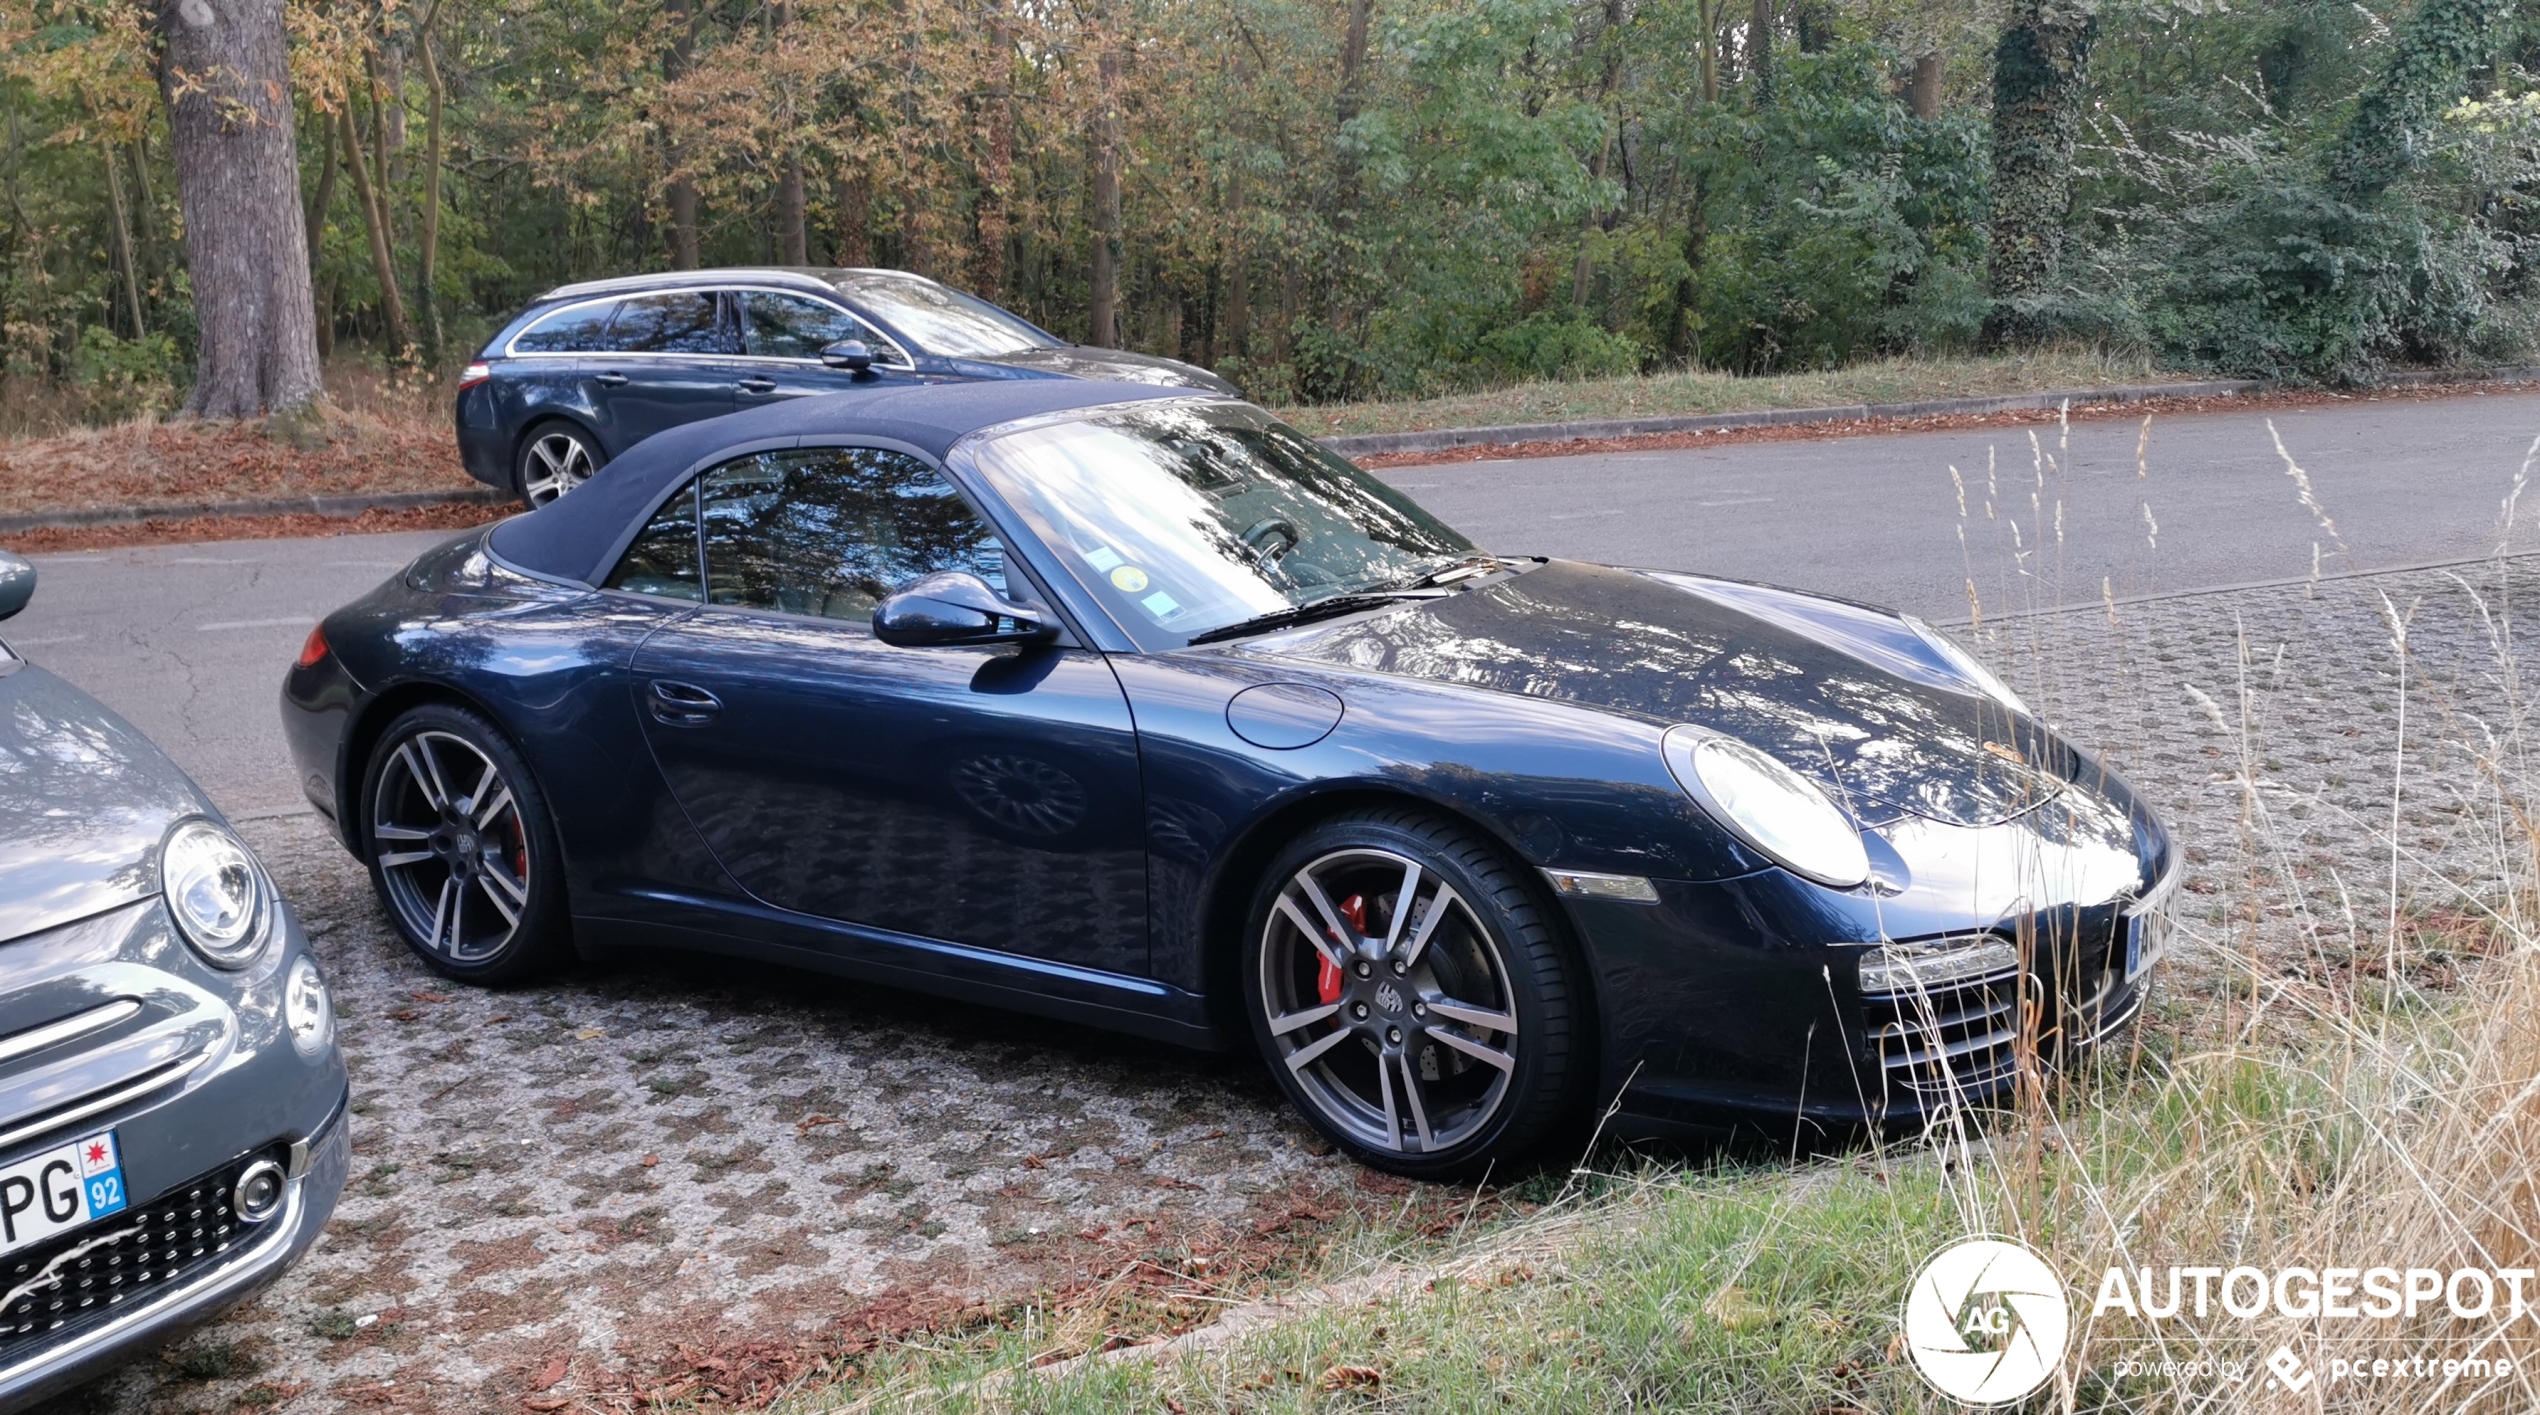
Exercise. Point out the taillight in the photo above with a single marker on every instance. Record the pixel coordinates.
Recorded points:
(474, 375)
(315, 650)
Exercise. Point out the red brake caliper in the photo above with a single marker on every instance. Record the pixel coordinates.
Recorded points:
(1327, 978)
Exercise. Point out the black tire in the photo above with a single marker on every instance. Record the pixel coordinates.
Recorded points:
(554, 457)
(466, 863)
(1497, 952)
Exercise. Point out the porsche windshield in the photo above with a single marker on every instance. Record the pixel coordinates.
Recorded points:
(1186, 517)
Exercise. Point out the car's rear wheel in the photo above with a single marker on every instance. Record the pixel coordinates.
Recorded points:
(461, 849)
(1413, 995)
(554, 459)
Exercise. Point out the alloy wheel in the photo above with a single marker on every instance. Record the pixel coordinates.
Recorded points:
(452, 849)
(554, 464)
(1389, 1001)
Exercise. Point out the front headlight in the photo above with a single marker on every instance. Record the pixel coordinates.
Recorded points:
(305, 1008)
(1905, 969)
(1965, 665)
(1769, 806)
(215, 891)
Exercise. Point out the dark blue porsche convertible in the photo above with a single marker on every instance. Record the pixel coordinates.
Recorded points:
(1136, 707)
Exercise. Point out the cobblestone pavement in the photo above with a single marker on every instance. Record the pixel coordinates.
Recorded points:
(575, 1191)
(630, 1175)
(2271, 725)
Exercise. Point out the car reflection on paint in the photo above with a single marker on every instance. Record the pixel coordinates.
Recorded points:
(1139, 708)
(172, 1104)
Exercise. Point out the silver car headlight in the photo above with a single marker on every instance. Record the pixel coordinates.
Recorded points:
(1966, 666)
(215, 892)
(1905, 969)
(1769, 806)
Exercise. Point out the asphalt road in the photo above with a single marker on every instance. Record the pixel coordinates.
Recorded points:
(190, 642)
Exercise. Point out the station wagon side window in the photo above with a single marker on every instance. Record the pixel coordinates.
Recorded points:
(674, 322)
(833, 531)
(575, 329)
(775, 326)
(663, 560)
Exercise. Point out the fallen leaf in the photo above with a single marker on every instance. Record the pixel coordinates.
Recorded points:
(551, 1373)
(1732, 1308)
(651, 1160)
(590, 1034)
(1353, 1378)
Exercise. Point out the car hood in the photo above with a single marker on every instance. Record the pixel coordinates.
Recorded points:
(1849, 695)
(84, 801)
(1115, 365)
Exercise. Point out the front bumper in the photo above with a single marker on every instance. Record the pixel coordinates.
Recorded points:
(1738, 1003)
(86, 1344)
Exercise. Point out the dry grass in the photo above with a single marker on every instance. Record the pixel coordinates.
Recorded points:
(1878, 381)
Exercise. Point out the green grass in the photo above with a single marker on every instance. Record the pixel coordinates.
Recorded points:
(1881, 381)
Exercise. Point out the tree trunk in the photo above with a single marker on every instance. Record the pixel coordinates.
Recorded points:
(124, 266)
(2438, 43)
(426, 266)
(1238, 318)
(683, 188)
(392, 307)
(145, 208)
(2040, 72)
(855, 222)
(1759, 51)
(1103, 297)
(225, 74)
(324, 198)
(793, 240)
(1606, 80)
(997, 171)
(1922, 92)
(1814, 19)
(1708, 11)
(1351, 101)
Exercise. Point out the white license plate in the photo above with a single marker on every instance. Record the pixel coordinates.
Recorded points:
(60, 1190)
(2147, 936)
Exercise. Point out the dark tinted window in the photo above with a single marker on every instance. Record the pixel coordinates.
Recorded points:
(832, 531)
(681, 322)
(663, 559)
(575, 330)
(796, 327)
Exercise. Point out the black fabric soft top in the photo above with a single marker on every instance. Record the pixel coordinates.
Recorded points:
(573, 537)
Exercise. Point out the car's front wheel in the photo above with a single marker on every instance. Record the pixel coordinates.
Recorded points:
(461, 849)
(554, 459)
(1413, 995)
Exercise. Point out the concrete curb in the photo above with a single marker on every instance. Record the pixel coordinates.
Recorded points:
(270, 506)
(1372, 444)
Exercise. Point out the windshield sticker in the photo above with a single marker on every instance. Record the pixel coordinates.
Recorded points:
(1163, 606)
(1129, 579)
(1103, 558)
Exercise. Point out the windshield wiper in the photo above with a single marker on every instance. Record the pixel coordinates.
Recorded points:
(1463, 569)
(1328, 607)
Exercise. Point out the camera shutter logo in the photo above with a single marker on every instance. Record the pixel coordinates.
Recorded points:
(1986, 1321)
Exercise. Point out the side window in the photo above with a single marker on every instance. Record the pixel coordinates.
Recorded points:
(574, 330)
(679, 322)
(663, 559)
(796, 327)
(833, 531)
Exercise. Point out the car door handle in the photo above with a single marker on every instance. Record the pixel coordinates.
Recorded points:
(683, 704)
(611, 380)
(756, 384)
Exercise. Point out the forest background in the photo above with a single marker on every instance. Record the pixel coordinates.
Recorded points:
(1327, 199)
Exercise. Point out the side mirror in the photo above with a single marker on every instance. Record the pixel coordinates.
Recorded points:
(955, 608)
(848, 354)
(17, 584)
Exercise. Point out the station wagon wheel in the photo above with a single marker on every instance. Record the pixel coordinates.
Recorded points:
(554, 460)
(460, 848)
(1411, 994)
